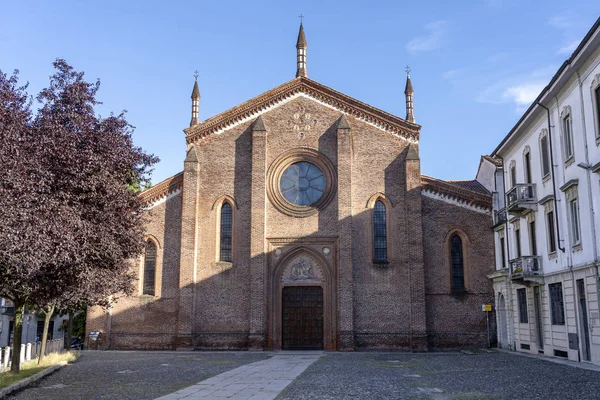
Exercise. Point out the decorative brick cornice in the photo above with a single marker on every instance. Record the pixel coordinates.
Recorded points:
(303, 86)
(163, 189)
(457, 193)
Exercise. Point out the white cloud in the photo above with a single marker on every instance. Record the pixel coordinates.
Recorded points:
(433, 39)
(571, 30)
(524, 93)
(568, 49)
(452, 73)
(560, 22)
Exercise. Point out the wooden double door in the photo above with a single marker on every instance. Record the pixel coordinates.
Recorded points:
(302, 318)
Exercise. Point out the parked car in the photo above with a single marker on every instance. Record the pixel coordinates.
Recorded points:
(76, 344)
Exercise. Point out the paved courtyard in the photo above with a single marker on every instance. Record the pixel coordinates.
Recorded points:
(245, 375)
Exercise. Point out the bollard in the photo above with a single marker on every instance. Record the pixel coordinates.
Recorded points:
(22, 355)
(28, 352)
(6, 356)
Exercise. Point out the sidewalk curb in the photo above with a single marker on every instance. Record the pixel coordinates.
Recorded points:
(555, 360)
(27, 381)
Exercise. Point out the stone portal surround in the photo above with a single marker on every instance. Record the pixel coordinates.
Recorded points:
(262, 380)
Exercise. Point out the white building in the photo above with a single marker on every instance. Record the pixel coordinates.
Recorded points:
(33, 325)
(546, 178)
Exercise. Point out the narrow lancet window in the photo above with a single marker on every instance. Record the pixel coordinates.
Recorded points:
(458, 271)
(226, 230)
(149, 268)
(379, 232)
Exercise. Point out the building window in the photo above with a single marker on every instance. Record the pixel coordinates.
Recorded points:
(149, 268)
(597, 99)
(513, 174)
(527, 165)
(567, 131)
(522, 301)
(596, 104)
(544, 155)
(574, 217)
(502, 252)
(458, 270)
(518, 240)
(551, 234)
(556, 304)
(379, 232)
(532, 238)
(225, 246)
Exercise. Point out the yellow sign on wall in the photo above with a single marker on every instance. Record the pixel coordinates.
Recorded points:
(486, 307)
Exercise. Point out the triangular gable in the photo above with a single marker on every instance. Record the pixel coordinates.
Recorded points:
(290, 90)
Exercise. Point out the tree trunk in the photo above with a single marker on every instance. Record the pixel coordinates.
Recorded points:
(48, 314)
(69, 332)
(18, 332)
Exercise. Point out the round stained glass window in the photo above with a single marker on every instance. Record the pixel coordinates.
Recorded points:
(302, 183)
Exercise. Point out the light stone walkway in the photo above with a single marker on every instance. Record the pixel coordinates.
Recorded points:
(262, 380)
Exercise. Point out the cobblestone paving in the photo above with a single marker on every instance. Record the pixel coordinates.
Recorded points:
(133, 375)
(454, 376)
(364, 376)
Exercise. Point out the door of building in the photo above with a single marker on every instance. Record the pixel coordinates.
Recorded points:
(302, 318)
(584, 319)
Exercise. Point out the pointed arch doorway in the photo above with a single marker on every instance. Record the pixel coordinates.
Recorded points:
(302, 302)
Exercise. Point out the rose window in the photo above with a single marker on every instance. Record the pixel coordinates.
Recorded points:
(302, 183)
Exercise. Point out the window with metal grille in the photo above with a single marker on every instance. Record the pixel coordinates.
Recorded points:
(458, 271)
(567, 137)
(522, 300)
(226, 230)
(551, 236)
(149, 268)
(556, 304)
(379, 232)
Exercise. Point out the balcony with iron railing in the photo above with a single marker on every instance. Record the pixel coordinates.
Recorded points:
(526, 269)
(500, 217)
(521, 198)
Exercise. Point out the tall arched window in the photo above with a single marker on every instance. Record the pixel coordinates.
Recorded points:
(458, 269)
(149, 268)
(226, 230)
(379, 232)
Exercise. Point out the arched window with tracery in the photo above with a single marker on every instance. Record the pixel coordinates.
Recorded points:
(457, 261)
(149, 268)
(379, 232)
(225, 246)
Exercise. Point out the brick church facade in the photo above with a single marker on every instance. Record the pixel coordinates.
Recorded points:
(301, 220)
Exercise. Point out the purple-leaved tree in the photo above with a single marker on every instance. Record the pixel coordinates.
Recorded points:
(71, 219)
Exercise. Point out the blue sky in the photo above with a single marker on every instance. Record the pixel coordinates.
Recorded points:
(476, 65)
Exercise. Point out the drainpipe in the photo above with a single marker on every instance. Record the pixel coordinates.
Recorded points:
(553, 177)
(507, 242)
(590, 200)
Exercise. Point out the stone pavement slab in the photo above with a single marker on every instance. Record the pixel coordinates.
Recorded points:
(261, 380)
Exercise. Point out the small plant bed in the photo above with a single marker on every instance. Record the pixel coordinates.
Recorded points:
(31, 367)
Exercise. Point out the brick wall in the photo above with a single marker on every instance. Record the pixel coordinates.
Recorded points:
(456, 320)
